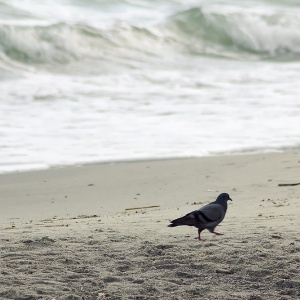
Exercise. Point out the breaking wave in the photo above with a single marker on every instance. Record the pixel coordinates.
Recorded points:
(236, 34)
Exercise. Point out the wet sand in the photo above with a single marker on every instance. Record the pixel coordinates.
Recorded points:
(71, 233)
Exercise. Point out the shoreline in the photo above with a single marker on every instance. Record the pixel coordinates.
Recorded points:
(67, 234)
(158, 158)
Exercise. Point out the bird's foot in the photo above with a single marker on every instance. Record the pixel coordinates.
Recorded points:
(199, 232)
(217, 233)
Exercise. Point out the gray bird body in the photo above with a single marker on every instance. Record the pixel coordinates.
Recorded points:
(206, 217)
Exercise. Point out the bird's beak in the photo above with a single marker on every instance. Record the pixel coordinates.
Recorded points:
(230, 199)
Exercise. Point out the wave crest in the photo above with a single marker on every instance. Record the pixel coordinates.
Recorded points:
(239, 34)
(200, 31)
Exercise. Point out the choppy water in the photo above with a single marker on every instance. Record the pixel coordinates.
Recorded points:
(85, 81)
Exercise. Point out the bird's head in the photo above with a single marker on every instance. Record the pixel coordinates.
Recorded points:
(224, 197)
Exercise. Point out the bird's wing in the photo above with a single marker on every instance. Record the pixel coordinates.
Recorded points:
(210, 213)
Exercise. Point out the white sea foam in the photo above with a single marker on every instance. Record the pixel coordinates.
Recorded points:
(90, 83)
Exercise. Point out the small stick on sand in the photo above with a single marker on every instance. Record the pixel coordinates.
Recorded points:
(142, 207)
(288, 184)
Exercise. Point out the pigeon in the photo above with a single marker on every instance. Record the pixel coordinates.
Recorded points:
(206, 217)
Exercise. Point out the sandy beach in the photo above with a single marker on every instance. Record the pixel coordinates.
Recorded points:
(81, 232)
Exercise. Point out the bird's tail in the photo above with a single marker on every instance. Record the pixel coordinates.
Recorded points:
(186, 220)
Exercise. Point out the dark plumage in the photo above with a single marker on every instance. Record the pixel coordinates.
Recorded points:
(206, 217)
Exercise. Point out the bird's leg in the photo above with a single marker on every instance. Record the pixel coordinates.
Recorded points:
(199, 237)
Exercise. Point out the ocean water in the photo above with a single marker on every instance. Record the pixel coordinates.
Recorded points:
(104, 80)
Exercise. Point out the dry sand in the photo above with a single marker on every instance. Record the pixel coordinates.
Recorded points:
(65, 233)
